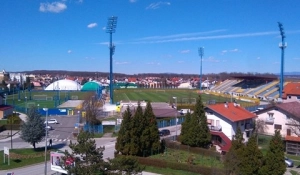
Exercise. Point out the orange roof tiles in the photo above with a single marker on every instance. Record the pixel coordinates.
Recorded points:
(291, 89)
(292, 138)
(231, 112)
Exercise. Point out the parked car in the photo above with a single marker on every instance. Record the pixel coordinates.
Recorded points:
(51, 121)
(288, 162)
(164, 132)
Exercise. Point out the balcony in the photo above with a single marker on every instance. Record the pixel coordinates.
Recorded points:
(269, 120)
(248, 126)
(214, 128)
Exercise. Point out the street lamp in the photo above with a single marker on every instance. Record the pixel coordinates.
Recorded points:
(38, 105)
(26, 104)
(175, 116)
(78, 121)
(201, 53)
(46, 128)
(5, 98)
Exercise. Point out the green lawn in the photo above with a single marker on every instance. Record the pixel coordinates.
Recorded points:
(3, 122)
(263, 143)
(173, 155)
(167, 171)
(23, 157)
(184, 96)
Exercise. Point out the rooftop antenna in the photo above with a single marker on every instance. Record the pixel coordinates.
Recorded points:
(111, 28)
(282, 46)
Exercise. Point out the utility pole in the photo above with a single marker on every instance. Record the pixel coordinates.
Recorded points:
(111, 28)
(282, 46)
(201, 53)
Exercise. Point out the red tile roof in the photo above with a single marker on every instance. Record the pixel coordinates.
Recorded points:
(291, 89)
(231, 112)
(292, 138)
(227, 141)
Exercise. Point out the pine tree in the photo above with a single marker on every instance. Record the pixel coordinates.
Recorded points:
(233, 158)
(150, 140)
(128, 165)
(252, 158)
(136, 131)
(185, 129)
(90, 160)
(197, 133)
(33, 130)
(124, 135)
(274, 159)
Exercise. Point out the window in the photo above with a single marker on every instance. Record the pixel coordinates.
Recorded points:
(277, 126)
(298, 97)
(271, 114)
(248, 134)
(290, 97)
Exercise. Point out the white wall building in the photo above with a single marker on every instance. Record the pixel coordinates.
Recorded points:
(224, 119)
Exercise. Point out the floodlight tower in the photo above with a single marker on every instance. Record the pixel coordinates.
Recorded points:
(201, 53)
(111, 28)
(282, 46)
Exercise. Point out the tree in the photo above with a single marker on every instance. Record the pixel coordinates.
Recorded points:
(33, 130)
(150, 140)
(137, 129)
(124, 135)
(87, 158)
(91, 106)
(252, 158)
(198, 133)
(127, 164)
(274, 160)
(185, 129)
(260, 127)
(233, 158)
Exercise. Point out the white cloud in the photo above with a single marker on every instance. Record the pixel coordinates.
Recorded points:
(276, 62)
(234, 50)
(180, 62)
(104, 28)
(124, 62)
(54, 7)
(212, 59)
(69, 51)
(226, 51)
(185, 51)
(92, 25)
(157, 5)
(132, 1)
(153, 63)
(258, 58)
(296, 58)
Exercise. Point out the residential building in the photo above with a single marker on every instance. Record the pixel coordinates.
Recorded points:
(291, 92)
(286, 118)
(5, 110)
(223, 121)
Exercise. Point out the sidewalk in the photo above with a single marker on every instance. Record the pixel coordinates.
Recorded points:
(6, 135)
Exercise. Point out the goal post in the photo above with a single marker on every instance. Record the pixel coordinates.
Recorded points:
(39, 97)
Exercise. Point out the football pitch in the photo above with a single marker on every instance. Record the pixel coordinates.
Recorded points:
(159, 95)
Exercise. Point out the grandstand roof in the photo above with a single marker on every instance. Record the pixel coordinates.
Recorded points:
(64, 85)
(252, 77)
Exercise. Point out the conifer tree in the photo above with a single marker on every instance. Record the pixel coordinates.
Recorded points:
(185, 128)
(274, 159)
(150, 140)
(136, 131)
(198, 133)
(233, 158)
(252, 158)
(124, 136)
(33, 130)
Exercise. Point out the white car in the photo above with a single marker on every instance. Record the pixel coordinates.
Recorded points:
(51, 121)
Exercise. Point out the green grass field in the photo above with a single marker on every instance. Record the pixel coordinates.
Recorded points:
(184, 96)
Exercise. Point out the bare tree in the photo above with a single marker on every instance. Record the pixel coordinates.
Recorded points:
(294, 126)
(260, 126)
(92, 106)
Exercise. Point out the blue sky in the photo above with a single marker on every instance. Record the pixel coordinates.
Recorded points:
(151, 36)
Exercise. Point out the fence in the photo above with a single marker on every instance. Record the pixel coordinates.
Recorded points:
(161, 123)
(93, 128)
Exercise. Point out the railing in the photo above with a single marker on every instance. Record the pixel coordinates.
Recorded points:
(214, 128)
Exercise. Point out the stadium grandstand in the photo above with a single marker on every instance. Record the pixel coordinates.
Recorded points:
(253, 87)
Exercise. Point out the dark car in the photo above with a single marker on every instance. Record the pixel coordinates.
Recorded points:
(164, 132)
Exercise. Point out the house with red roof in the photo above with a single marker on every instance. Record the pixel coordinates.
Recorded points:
(286, 118)
(223, 121)
(5, 110)
(291, 92)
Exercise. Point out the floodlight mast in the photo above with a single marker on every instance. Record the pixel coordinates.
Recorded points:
(282, 46)
(111, 28)
(201, 53)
